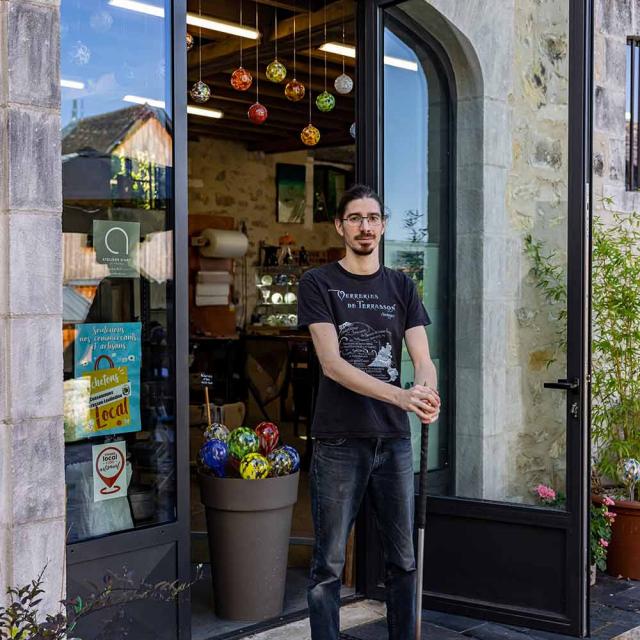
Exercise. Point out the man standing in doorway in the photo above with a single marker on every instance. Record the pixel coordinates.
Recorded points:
(358, 313)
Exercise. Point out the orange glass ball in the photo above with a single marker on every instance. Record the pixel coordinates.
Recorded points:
(310, 136)
(257, 113)
(241, 79)
(294, 90)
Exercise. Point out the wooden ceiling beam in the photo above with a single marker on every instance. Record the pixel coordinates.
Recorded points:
(337, 12)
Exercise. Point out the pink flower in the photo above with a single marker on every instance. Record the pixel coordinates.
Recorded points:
(545, 493)
(603, 543)
(606, 500)
(610, 515)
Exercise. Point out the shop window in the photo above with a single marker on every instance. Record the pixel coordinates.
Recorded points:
(118, 332)
(632, 115)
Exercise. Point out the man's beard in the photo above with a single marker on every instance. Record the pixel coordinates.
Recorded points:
(362, 252)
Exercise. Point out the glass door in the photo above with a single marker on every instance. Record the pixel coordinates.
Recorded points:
(480, 128)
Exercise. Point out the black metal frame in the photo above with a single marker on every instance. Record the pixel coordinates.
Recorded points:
(177, 532)
(571, 526)
(632, 165)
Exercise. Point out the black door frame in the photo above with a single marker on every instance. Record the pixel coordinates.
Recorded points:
(572, 526)
(175, 533)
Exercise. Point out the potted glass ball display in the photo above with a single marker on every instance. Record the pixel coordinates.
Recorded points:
(248, 485)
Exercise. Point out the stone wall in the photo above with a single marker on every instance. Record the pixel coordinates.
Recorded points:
(32, 494)
(615, 20)
(511, 79)
(228, 180)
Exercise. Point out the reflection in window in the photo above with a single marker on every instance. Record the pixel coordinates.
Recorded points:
(415, 183)
(118, 329)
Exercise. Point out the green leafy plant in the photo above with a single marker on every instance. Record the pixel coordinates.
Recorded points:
(616, 332)
(19, 619)
(600, 532)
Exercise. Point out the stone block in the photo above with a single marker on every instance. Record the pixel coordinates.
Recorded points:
(35, 172)
(36, 547)
(34, 49)
(469, 260)
(469, 205)
(498, 137)
(6, 484)
(469, 466)
(617, 159)
(615, 63)
(495, 470)
(469, 411)
(3, 141)
(37, 476)
(3, 374)
(35, 365)
(469, 332)
(609, 111)
(4, 262)
(495, 394)
(503, 257)
(495, 199)
(613, 17)
(35, 276)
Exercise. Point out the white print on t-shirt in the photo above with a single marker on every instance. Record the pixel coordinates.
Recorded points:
(365, 302)
(368, 349)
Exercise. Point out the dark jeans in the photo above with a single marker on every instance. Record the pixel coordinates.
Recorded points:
(342, 470)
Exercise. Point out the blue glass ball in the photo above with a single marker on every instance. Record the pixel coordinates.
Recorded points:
(214, 455)
(295, 457)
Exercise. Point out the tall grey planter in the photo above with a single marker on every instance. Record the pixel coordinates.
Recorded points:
(249, 522)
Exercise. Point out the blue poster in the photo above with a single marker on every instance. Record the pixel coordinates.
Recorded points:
(109, 355)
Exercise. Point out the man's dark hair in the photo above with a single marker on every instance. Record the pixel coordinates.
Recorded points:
(357, 192)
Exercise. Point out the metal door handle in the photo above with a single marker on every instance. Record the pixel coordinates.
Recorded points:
(572, 384)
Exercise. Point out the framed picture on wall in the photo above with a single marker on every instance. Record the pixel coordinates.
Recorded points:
(291, 199)
(329, 183)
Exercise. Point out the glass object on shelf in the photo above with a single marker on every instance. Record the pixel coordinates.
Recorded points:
(276, 298)
(290, 297)
(266, 280)
(266, 293)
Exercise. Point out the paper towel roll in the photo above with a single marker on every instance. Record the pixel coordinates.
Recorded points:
(221, 243)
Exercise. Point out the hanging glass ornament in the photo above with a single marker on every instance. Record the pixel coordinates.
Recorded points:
(189, 42)
(276, 71)
(310, 135)
(241, 79)
(352, 130)
(325, 101)
(294, 90)
(200, 92)
(257, 113)
(343, 84)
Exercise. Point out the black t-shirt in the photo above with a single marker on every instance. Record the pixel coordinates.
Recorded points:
(371, 314)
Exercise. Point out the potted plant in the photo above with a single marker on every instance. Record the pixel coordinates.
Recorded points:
(601, 522)
(248, 486)
(616, 358)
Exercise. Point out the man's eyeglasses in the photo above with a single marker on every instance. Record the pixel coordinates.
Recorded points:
(355, 219)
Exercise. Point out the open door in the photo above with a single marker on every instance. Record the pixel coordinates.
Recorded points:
(474, 122)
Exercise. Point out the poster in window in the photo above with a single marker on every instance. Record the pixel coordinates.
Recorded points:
(116, 244)
(109, 354)
(109, 470)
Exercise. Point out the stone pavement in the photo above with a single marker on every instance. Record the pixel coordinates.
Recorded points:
(615, 615)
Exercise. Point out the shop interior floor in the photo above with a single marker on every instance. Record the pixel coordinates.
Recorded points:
(206, 626)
